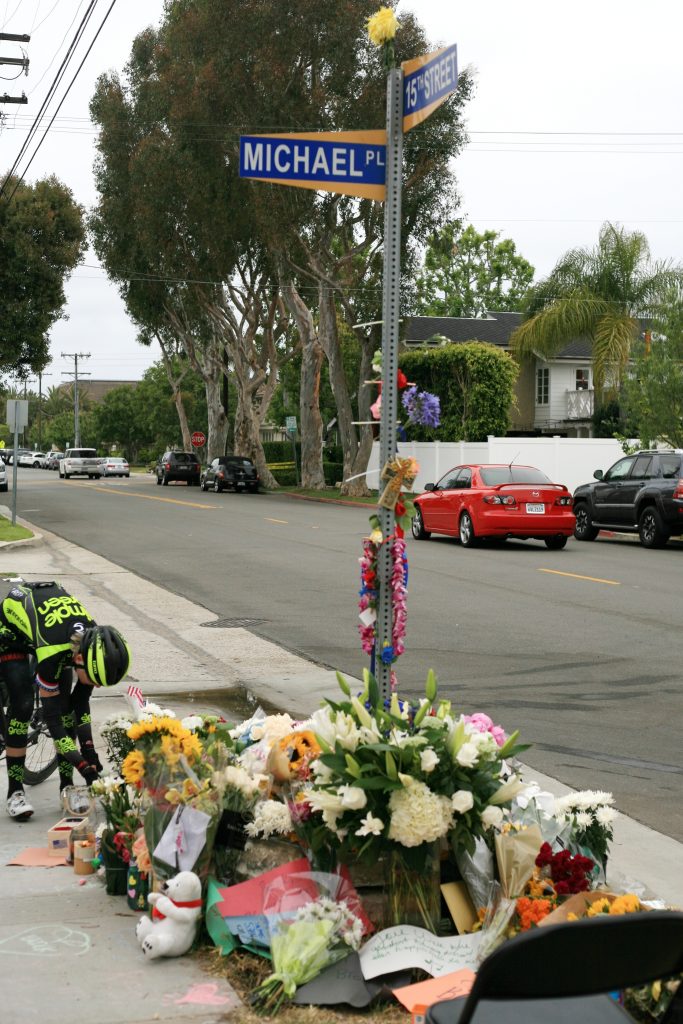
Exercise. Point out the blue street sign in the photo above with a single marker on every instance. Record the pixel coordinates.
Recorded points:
(353, 163)
(427, 82)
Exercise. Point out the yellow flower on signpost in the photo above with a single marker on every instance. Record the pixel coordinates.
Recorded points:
(382, 28)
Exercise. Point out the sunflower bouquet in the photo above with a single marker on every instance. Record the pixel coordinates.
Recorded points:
(165, 752)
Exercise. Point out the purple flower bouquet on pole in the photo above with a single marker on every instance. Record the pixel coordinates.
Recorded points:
(423, 408)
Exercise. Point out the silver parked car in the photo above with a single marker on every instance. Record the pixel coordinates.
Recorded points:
(115, 467)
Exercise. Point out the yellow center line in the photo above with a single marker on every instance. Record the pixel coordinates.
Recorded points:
(283, 521)
(149, 497)
(575, 576)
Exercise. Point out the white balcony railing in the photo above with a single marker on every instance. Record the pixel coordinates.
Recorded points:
(580, 404)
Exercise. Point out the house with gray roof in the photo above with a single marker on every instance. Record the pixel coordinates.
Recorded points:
(553, 396)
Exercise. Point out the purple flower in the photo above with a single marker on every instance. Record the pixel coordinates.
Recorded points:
(422, 407)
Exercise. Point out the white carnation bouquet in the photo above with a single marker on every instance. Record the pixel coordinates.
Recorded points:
(591, 814)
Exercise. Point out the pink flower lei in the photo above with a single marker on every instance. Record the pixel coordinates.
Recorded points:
(369, 597)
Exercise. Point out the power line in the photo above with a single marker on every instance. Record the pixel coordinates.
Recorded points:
(50, 93)
(68, 90)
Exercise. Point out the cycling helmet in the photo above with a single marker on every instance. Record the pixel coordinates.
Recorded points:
(106, 655)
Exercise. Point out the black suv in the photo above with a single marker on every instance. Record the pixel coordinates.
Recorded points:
(178, 466)
(231, 471)
(641, 493)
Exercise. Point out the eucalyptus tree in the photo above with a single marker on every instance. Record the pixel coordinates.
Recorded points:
(316, 70)
(601, 294)
(173, 231)
(230, 265)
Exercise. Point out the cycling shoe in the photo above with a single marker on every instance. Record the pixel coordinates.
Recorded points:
(18, 806)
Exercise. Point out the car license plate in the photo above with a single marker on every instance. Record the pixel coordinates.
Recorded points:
(535, 508)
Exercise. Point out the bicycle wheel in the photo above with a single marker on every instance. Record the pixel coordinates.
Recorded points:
(41, 756)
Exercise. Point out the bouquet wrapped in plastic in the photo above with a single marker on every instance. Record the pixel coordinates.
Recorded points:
(314, 920)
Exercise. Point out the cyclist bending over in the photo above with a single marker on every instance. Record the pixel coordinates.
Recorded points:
(42, 620)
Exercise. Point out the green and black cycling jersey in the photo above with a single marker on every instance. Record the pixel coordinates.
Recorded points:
(40, 619)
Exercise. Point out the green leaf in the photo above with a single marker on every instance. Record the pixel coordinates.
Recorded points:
(343, 685)
(430, 686)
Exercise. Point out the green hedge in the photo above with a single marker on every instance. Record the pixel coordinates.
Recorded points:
(475, 382)
(334, 473)
(285, 477)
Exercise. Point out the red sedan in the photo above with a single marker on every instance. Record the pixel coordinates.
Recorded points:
(471, 502)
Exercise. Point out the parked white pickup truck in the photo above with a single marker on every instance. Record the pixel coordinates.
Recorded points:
(80, 462)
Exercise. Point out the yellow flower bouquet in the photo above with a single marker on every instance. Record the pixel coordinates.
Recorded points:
(164, 752)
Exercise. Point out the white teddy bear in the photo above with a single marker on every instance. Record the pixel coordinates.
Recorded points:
(176, 911)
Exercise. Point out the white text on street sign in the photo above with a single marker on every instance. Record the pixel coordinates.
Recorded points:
(352, 163)
(427, 82)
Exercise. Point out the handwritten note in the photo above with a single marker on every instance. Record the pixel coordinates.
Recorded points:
(405, 946)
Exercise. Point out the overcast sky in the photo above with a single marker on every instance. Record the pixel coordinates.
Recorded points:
(576, 120)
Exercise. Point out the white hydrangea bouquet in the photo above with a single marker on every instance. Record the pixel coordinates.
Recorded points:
(394, 780)
(591, 815)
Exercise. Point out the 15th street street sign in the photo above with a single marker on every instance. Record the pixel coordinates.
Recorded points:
(427, 82)
(353, 163)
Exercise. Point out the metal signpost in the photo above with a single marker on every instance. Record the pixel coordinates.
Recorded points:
(391, 299)
(17, 420)
(368, 165)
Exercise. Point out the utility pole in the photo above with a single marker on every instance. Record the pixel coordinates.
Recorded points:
(67, 373)
(22, 62)
(40, 408)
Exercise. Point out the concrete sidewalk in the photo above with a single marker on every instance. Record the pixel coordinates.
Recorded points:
(67, 950)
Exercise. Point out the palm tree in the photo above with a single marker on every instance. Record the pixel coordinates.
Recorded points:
(599, 294)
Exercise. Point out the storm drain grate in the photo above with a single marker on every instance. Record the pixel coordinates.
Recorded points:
(232, 623)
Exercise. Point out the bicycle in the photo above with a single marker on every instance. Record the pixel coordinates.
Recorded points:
(41, 756)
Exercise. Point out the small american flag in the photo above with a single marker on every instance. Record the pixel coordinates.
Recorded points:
(136, 694)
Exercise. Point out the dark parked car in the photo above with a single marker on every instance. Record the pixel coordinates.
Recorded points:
(231, 471)
(641, 493)
(178, 466)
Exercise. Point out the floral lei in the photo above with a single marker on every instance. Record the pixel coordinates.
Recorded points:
(369, 596)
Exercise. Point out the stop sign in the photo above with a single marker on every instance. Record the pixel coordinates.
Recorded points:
(198, 439)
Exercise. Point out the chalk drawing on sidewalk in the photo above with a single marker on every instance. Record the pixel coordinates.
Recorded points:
(206, 994)
(46, 940)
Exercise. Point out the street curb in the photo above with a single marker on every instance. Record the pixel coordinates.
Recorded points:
(35, 539)
(322, 501)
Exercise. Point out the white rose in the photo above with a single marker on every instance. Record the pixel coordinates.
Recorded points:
(491, 817)
(353, 798)
(428, 760)
(462, 801)
(467, 755)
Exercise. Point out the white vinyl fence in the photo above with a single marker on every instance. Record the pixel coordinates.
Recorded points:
(566, 460)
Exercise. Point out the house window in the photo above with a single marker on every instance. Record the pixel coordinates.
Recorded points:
(542, 385)
(582, 380)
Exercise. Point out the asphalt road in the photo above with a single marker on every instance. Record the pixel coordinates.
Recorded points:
(580, 649)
